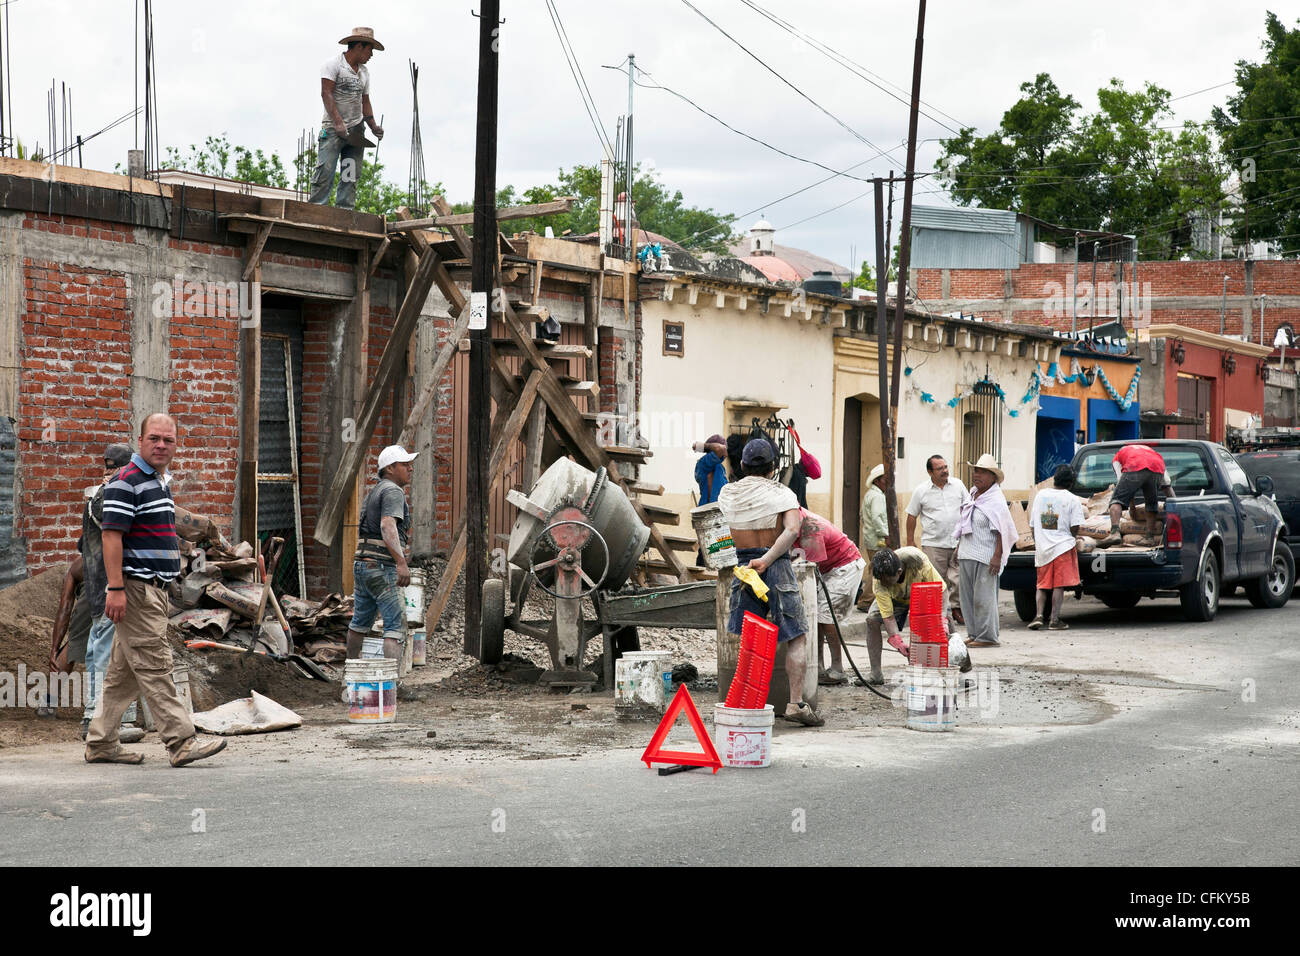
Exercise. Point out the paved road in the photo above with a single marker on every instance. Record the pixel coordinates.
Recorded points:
(1162, 762)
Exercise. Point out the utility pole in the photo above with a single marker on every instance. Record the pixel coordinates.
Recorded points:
(483, 281)
(882, 358)
(904, 256)
(629, 168)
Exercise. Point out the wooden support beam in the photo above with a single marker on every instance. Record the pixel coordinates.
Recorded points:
(355, 453)
(503, 439)
(253, 260)
(591, 324)
(301, 232)
(445, 355)
(250, 413)
(564, 204)
(458, 234)
(379, 254)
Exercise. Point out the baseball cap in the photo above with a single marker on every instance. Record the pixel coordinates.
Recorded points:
(758, 451)
(394, 454)
(119, 455)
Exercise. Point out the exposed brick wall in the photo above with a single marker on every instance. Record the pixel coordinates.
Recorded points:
(1050, 282)
(73, 394)
(443, 414)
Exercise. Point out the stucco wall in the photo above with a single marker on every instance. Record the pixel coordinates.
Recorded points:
(730, 355)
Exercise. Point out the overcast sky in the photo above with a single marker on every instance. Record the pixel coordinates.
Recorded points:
(251, 71)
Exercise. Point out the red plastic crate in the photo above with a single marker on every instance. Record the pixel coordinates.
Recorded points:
(922, 654)
(928, 628)
(927, 597)
(753, 674)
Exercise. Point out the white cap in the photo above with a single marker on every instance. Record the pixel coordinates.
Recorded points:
(394, 454)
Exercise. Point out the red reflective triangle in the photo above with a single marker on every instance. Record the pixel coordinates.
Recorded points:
(709, 758)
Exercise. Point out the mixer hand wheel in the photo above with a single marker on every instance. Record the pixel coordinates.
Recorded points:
(567, 546)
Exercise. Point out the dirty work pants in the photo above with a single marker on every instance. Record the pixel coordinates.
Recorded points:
(980, 609)
(333, 150)
(140, 663)
(945, 562)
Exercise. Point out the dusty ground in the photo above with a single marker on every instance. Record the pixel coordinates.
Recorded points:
(1036, 681)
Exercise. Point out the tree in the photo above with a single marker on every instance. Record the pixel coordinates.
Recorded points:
(657, 209)
(1115, 169)
(214, 159)
(1260, 127)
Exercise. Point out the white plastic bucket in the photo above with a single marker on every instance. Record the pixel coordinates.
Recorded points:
(419, 648)
(643, 683)
(413, 597)
(714, 536)
(932, 698)
(372, 690)
(742, 736)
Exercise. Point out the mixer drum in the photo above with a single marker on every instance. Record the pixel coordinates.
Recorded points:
(610, 513)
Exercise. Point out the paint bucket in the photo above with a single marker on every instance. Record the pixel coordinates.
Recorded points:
(932, 698)
(181, 678)
(643, 682)
(372, 646)
(413, 597)
(743, 737)
(372, 690)
(714, 536)
(419, 648)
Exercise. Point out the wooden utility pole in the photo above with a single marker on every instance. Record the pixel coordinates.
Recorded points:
(483, 281)
(904, 255)
(882, 360)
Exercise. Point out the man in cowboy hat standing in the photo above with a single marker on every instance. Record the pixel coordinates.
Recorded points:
(345, 91)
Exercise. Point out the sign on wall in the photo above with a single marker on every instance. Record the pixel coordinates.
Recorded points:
(674, 338)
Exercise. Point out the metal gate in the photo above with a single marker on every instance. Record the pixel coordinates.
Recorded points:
(279, 503)
(981, 427)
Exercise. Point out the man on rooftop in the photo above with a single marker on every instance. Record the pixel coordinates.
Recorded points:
(345, 91)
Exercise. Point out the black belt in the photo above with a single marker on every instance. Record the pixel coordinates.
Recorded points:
(158, 583)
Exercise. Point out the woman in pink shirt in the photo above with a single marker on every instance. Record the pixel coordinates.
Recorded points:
(840, 565)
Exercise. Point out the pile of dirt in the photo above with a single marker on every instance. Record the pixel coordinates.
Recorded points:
(27, 612)
(219, 676)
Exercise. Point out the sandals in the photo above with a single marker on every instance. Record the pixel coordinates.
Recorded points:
(983, 643)
(1035, 624)
(831, 678)
(1058, 626)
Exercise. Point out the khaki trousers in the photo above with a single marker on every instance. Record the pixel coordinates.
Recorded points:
(945, 562)
(141, 664)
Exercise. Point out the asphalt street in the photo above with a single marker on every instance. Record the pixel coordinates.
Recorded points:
(1190, 757)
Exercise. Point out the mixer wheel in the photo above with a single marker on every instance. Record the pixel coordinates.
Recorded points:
(492, 623)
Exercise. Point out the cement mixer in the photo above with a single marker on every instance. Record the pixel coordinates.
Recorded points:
(578, 537)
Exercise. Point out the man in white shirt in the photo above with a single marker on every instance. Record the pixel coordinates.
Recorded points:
(1055, 516)
(345, 91)
(937, 502)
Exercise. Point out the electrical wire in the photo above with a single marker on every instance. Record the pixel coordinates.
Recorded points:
(853, 66)
(759, 60)
(576, 70)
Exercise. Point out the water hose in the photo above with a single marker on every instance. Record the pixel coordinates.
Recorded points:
(840, 637)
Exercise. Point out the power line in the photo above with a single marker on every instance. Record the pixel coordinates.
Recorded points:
(757, 59)
(776, 149)
(852, 65)
(588, 103)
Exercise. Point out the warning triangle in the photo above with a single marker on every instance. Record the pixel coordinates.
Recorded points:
(682, 702)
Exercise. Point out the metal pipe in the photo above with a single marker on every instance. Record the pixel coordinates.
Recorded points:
(1074, 291)
(1262, 297)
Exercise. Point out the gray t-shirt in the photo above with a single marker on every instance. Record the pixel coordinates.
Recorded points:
(349, 87)
(91, 547)
(385, 499)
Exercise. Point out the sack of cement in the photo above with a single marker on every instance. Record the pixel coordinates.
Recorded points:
(957, 653)
(1085, 545)
(251, 715)
(1095, 526)
(1140, 541)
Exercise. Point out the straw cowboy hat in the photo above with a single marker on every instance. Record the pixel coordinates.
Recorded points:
(989, 463)
(362, 35)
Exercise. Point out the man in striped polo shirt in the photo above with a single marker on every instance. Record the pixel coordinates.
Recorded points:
(141, 555)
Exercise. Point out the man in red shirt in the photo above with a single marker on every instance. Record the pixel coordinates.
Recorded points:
(1137, 468)
(840, 565)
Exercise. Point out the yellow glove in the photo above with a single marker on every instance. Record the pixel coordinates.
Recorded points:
(749, 576)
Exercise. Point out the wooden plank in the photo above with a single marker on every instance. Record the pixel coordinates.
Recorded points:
(317, 236)
(591, 324)
(661, 515)
(76, 176)
(445, 355)
(355, 453)
(645, 488)
(379, 254)
(250, 390)
(253, 257)
(458, 234)
(552, 208)
(534, 435)
(248, 222)
(548, 351)
(361, 371)
(509, 433)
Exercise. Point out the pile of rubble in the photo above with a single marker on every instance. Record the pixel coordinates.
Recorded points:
(224, 601)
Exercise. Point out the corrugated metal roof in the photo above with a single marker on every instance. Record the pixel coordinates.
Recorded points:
(964, 220)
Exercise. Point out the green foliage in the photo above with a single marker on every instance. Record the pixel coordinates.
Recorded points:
(215, 159)
(658, 209)
(1260, 127)
(1113, 169)
(866, 279)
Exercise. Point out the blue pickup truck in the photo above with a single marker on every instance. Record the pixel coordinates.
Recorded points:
(1220, 528)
